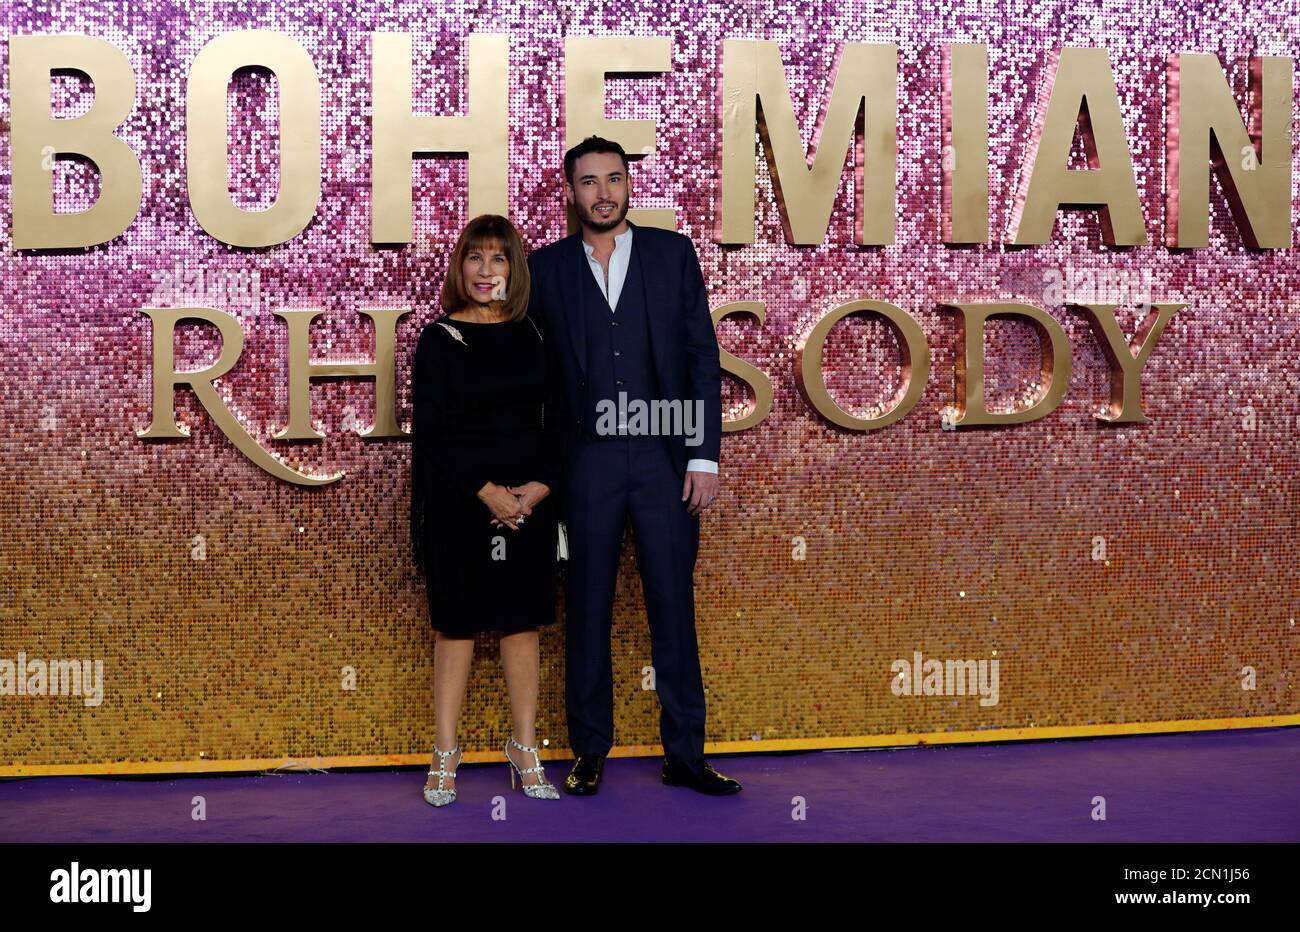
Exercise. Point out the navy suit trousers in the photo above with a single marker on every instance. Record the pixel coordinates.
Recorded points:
(612, 479)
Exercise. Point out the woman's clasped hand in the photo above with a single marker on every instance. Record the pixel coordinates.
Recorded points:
(500, 499)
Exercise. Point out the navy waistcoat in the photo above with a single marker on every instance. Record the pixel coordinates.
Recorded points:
(619, 358)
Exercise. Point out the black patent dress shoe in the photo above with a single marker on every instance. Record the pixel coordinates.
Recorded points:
(584, 778)
(701, 777)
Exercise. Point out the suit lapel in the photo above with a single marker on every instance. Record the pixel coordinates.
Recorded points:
(652, 285)
(574, 298)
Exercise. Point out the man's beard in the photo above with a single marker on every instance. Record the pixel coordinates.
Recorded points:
(591, 219)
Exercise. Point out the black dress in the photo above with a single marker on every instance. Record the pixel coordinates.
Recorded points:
(488, 406)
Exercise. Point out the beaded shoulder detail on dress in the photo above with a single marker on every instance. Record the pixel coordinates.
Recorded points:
(539, 333)
(453, 331)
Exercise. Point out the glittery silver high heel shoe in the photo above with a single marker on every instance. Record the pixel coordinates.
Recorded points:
(540, 790)
(439, 796)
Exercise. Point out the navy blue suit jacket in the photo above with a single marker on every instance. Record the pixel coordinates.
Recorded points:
(683, 341)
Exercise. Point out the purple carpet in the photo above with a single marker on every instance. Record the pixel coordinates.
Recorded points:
(1229, 786)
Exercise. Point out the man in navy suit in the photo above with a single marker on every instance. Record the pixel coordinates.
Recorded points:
(628, 311)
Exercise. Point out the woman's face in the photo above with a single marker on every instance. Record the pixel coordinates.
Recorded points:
(486, 272)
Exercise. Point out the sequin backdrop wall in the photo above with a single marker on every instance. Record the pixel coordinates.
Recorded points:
(225, 604)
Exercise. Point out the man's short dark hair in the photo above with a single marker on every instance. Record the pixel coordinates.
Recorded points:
(587, 147)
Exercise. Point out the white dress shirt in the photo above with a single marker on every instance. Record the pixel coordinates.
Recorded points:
(618, 262)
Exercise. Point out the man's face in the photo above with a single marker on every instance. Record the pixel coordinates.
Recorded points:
(600, 189)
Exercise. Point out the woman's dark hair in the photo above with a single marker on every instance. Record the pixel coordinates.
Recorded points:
(587, 147)
(483, 231)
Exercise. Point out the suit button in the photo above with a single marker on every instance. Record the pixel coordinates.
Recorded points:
(613, 323)
(618, 381)
(617, 353)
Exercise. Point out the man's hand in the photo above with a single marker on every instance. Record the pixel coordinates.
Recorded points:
(699, 490)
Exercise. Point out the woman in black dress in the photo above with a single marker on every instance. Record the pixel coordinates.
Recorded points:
(488, 451)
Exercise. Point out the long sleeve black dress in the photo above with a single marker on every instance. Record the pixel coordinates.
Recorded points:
(488, 405)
